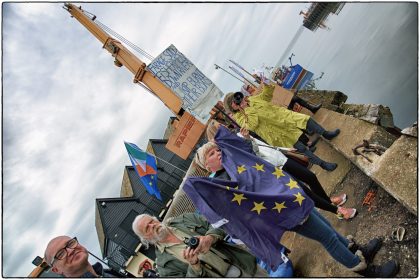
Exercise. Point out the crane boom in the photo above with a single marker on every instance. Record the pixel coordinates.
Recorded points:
(124, 57)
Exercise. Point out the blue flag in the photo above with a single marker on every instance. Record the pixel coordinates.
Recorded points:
(145, 166)
(259, 203)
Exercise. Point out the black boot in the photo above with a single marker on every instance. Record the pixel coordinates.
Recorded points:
(313, 108)
(306, 104)
(329, 166)
(369, 250)
(331, 134)
(386, 270)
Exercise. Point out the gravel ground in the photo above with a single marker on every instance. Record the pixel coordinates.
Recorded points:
(383, 217)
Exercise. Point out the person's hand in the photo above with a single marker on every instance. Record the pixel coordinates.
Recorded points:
(244, 132)
(192, 257)
(204, 244)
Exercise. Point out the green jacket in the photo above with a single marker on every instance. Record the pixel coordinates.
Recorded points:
(196, 225)
(278, 126)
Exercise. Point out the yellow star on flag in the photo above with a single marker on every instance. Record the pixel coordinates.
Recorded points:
(236, 188)
(238, 197)
(150, 183)
(279, 206)
(299, 198)
(259, 167)
(292, 184)
(278, 172)
(241, 169)
(258, 207)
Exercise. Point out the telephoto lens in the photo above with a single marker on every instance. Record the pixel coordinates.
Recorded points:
(237, 97)
(192, 242)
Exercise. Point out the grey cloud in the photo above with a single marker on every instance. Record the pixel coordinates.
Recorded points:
(12, 260)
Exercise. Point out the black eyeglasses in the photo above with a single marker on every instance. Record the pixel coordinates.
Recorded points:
(62, 253)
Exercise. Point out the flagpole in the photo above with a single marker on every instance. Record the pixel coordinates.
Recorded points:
(237, 72)
(169, 163)
(218, 67)
(240, 67)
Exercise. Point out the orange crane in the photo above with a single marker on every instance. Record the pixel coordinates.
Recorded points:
(189, 130)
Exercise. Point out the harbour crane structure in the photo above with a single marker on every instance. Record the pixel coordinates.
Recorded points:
(188, 130)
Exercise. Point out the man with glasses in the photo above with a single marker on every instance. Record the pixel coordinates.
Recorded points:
(68, 258)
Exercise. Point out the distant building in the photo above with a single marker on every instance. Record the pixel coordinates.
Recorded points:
(114, 216)
(318, 12)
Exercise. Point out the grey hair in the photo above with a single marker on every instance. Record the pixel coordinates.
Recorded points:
(137, 231)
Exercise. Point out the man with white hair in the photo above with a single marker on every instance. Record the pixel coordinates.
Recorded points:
(176, 257)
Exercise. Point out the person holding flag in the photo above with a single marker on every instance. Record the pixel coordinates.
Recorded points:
(256, 202)
(315, 191)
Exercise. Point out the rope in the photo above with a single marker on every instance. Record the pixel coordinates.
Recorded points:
(118, 36)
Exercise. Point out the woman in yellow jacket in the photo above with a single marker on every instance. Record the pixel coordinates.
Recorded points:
(276, 125)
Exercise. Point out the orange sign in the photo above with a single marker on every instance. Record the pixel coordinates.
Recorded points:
(183, 140)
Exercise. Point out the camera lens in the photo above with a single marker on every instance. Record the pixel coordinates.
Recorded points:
(193, 242)
(237, 98)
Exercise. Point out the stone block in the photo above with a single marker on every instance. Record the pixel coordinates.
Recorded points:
(329, 180)
(373, 113)
(396, 171)
(353, 132)
(331, 100)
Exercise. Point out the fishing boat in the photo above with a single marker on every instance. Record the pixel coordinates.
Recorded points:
(293, 77)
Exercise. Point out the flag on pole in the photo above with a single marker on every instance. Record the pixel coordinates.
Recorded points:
(240, 67)
(240, 74)
(146, 168)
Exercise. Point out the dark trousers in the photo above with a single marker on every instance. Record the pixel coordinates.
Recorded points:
(316, 192)
(313, 127)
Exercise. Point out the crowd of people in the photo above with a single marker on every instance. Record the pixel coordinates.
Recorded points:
(253, 195)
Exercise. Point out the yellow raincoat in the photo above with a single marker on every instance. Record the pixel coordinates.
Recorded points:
(278, 126)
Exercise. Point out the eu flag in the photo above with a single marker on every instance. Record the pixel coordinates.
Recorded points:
(259, 203)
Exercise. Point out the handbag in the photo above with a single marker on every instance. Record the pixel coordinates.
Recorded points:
(299, 157)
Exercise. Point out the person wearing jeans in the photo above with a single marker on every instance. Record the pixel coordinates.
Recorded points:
(313, 226)
(318, 228)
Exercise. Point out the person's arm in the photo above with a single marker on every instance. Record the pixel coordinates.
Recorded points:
(267, 92)
(245, 134)
(194, 268)
(251, 120)
(200, 221)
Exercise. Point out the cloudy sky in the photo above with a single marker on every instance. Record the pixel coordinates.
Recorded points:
(67, 109)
